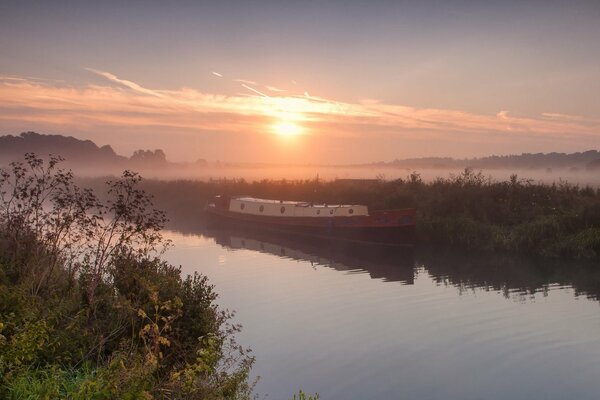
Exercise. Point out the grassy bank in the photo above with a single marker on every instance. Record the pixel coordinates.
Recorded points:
(468, 210)
(88, 310)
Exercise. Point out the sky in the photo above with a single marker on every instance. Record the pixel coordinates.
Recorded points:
(305, 81)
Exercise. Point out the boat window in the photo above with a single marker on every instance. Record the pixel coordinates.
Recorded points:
(261, 209)
(351, 211)
(242, 206)
(282, 210)
(318, 212)
(331, 211)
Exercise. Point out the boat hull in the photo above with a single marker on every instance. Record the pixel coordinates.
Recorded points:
(386, 227)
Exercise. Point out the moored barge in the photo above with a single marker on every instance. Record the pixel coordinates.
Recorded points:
(349, 222)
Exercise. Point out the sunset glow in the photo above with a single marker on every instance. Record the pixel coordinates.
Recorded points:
(345, 94)
(287, 129)
(129, 108)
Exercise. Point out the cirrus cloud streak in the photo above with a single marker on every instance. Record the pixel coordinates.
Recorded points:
(126, 104)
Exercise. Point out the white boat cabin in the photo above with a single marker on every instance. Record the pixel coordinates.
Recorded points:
(277, 208)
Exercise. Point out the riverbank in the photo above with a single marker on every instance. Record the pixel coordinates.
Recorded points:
(467, 210)
(90, 309)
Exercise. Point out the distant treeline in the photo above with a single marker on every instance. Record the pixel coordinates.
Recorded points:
(12, 148)
(85, 153)
(587, 159)
(469, 210)
(76, 152)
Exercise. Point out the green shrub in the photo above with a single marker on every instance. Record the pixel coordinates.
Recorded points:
(88, 310)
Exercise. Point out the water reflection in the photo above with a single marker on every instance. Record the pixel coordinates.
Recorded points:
(365, 323)
(393, 264)
(509, 275)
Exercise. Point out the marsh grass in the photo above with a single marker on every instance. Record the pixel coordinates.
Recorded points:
(468, 210)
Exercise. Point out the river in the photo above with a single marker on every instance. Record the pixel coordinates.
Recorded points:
(353, 323)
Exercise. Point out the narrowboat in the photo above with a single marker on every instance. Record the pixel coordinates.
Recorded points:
(348, 222)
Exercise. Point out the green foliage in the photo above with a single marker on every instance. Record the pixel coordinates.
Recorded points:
(88, 310)
(467, 210)
(303, 396)
(103, 383)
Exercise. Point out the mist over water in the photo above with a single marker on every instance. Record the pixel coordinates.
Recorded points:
(425, 325)
(87, 159)
(580, 177)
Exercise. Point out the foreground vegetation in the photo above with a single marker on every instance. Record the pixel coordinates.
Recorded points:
(469, 210)
(88, 310)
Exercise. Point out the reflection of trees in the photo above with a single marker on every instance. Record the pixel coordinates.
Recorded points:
(508, 274)
(185, 201)
(499, 272)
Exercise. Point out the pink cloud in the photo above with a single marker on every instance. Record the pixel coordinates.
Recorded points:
(126, 104)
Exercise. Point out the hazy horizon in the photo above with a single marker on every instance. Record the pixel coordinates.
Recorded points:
(310, 82)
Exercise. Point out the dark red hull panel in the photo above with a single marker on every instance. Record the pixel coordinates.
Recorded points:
(395, 227)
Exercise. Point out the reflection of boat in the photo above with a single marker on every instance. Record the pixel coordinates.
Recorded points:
(390, 263)
(346, 222)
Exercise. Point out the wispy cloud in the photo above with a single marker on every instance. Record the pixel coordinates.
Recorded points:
(245, 81)
(563, 117)
(121, 102)
(254, 90)
(131, 85)
(12, 78)
(217, 74)
(275, 89)
(503, 114)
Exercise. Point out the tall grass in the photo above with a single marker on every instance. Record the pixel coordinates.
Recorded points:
(468, 210)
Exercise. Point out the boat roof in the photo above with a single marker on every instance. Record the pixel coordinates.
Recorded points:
(289, 202)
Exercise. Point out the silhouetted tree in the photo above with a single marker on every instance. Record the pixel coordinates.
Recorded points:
(149, 157)
(44, 214)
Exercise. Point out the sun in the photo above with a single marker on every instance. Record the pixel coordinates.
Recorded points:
(287, 129)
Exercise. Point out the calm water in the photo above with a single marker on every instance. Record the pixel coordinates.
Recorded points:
(364, 324)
